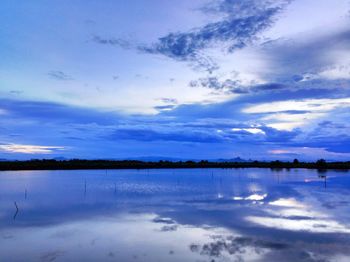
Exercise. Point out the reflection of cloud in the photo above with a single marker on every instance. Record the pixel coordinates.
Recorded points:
(287, 202)
(308, 225)
(163, 220)
(51, 256)
(170, 224)
(168, 228)
(236, 246)
(295, 216)
(254, 197)
(295, 213)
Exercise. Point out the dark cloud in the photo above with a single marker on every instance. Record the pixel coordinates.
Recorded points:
(241, 8)
(269, 87)
(235, 246)
(234, 85)
(169, 228)
(168, 100)
(55, 112)
(59, 75)
(112, 41)
(241, 24)
(16, 92)
(280, 136)
(166, 107)
(331, 124)
(240, 31)
(163, 220)
(301, 59)
(213, 82)
(174, 136)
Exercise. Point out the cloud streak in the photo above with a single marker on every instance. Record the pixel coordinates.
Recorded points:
(29, 149)
(59, 75)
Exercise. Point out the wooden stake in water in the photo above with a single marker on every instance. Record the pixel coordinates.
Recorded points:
(14, 217)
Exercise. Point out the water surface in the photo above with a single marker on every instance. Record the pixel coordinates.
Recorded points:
(175, 215)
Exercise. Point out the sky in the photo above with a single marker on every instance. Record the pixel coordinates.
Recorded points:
(199, 79)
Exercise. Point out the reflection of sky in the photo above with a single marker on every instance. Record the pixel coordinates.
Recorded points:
(185, 215)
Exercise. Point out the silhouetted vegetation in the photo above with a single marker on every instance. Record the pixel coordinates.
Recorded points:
(48, 164)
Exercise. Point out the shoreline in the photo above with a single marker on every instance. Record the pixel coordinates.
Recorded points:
(135, 164)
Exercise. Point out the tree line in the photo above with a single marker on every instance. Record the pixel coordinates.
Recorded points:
(51, 164)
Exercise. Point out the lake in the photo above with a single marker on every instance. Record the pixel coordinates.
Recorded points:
(175, 215)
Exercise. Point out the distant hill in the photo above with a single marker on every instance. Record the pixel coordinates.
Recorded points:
(236, 159)
(174, 159)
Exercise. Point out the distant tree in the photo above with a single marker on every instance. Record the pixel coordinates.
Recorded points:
(321, 162)
(295, 161)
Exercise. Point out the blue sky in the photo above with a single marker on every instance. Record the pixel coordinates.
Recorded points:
(201, 79)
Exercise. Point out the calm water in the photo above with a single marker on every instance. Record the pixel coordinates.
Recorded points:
(175, 215)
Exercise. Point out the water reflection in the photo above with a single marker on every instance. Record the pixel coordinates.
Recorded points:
(174, 215)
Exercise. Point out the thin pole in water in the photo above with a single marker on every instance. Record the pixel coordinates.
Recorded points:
(25, 194)
(14, 217)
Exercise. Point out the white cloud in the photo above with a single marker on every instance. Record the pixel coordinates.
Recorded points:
(280, 119)
(254, 197)
(338, 72)
(319, 13)
(308, 225)
(252, 130)
(320, 105)
(284, 209)
(285, 121)
(29, 149)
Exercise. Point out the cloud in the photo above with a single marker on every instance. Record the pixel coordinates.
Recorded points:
(281, 114)
(192, 136)
(312, 152)
(236, 247)
(112, 41)
(321, 55)
(251, 130)
(169, 100)
(59, 75)
(29, 149)
(56, 112)
(236, 84)
(308, 105)
(16, 92)
(240, 25)
(165, 107)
